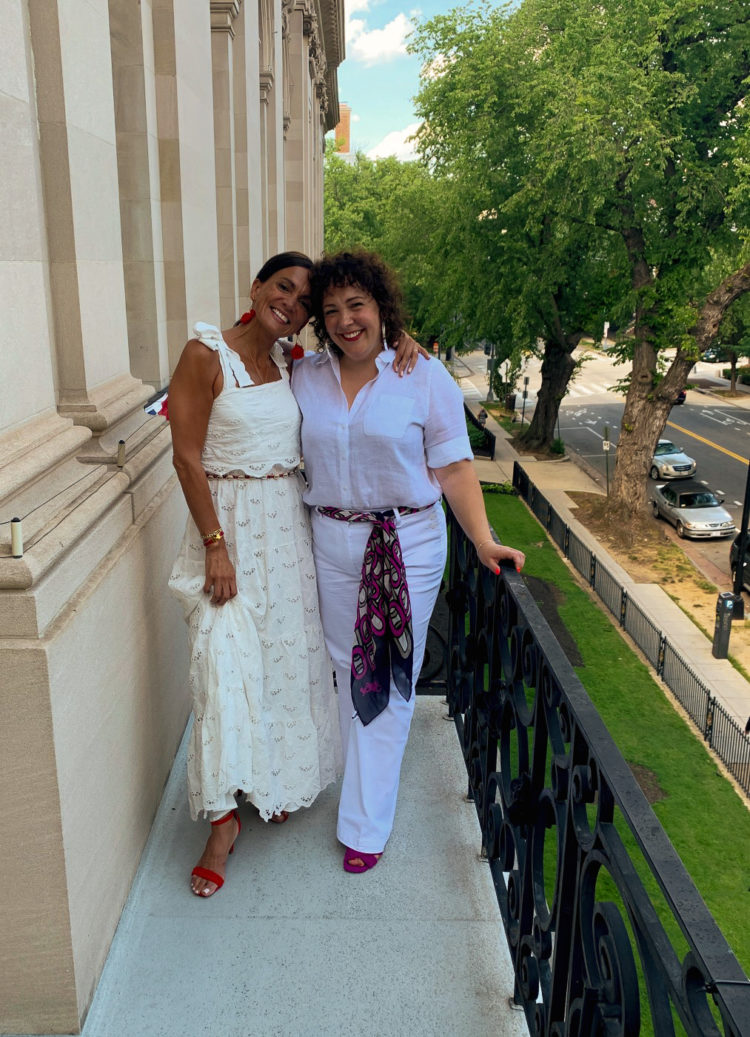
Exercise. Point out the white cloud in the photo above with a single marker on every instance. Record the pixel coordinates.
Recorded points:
(396, 144)
(371, 46)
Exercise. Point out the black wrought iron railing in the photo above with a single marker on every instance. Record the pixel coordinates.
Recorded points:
(732, 747)
(607, 932)
(481, 439)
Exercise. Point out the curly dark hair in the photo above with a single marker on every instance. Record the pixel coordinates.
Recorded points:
(366, 270)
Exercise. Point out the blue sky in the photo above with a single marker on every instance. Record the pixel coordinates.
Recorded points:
(378, 79)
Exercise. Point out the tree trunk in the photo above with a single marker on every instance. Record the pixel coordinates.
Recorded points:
(647, 405)
(557, 369)
(717, 303)
(642, 424)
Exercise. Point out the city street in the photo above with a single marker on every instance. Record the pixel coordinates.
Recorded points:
(713, 431)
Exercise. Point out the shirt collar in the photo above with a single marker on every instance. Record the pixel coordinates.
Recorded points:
(383, 359)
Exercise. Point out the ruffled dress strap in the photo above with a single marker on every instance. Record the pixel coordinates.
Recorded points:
(234, 371)
(278, 357)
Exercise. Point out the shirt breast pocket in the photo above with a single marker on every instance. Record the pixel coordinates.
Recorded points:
(390, 418)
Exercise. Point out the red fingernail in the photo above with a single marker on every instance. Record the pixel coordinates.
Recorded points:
(497, 572)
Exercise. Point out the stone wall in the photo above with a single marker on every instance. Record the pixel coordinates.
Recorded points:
(154, 154)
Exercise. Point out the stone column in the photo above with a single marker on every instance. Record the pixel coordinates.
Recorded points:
(75, 110)
(251, 217)
(223, 14)
(170, 177)
(296, 154)
(272, 121)
(185, 120)
(139, 196)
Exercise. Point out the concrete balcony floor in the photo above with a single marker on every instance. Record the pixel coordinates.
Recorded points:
(293, 945)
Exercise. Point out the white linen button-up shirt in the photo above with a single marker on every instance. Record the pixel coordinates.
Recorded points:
(378, 454)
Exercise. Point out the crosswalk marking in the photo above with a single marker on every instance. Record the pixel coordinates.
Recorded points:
(575, 392)
(470, 391)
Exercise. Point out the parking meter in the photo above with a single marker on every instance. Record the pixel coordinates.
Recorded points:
(723, 625)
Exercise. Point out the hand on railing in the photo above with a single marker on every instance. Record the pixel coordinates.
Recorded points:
(494, 555)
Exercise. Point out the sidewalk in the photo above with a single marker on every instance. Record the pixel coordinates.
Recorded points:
(554, 479)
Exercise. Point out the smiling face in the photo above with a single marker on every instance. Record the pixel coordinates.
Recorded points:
(282, 303)
(352, 320)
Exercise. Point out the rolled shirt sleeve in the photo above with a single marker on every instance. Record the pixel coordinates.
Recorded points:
(445, 436)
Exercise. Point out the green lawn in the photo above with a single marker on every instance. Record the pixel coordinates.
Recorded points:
(705, 818)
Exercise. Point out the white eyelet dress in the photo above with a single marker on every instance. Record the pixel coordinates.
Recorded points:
(265, 710)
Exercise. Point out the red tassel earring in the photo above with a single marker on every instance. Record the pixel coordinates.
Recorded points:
(297, 351)
(247, 317)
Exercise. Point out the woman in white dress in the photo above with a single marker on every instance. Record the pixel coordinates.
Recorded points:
(265, 713)
(263, 700)
(379, 454)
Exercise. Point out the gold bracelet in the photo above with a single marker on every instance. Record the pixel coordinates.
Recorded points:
(479, 546)
(213, 537)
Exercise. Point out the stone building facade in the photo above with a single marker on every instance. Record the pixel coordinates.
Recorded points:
(154, 154)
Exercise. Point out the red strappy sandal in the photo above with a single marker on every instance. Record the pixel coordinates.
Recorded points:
(206, 873)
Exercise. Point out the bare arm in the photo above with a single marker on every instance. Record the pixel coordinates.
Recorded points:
(461, 488)
(194, 385)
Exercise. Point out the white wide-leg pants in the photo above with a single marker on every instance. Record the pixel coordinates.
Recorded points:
(373, 753)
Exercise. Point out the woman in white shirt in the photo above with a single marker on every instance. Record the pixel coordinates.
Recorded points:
(379, 451)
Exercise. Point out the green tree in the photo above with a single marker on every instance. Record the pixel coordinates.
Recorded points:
(611, 143)
(735, 336)
(547, 277)
(394, 208)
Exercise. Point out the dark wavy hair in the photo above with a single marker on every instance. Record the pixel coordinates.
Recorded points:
(364, 270)
(281, 262)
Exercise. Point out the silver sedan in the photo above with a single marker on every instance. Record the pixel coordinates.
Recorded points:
(669, 462)
(693, 510)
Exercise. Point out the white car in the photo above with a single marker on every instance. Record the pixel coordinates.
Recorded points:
(693, 510)
(669, 462)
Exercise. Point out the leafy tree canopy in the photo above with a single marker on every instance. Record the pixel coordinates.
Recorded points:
(608, 145)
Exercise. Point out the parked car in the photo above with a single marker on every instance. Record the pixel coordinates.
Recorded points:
(669, 462)
(680, 397)
(734, 552)
(715, 355)
(693, 509)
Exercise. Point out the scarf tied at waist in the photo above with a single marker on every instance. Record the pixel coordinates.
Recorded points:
(383, 636)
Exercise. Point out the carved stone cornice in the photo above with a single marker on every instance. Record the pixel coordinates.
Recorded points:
(330, 17)
(327, 50)
(223, 13)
